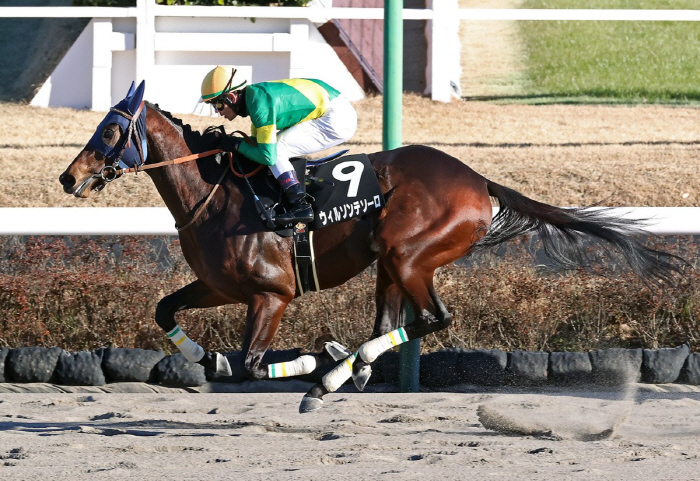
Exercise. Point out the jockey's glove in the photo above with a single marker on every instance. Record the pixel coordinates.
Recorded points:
(230, 143)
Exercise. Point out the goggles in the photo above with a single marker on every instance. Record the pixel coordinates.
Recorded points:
(219, 102)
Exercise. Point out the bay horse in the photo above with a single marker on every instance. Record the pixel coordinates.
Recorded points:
(437, 210)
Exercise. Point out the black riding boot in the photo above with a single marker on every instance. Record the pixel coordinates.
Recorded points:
(299, 209)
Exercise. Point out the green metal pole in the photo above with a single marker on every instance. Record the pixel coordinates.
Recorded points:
(391, 139)
(393, 73)
(409, 357)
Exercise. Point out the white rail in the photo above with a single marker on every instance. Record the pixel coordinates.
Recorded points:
(158, 221)
(68, 12)
(312, 13)
(309, 13)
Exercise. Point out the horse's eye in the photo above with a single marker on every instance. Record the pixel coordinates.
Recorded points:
(108, 134)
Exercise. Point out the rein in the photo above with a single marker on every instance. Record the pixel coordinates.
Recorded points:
(114, 173)
(110, 172)
(218, 182)
(206, 202)
(189, 158)
(179, 160)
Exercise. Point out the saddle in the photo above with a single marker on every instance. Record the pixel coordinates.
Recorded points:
(339, 188)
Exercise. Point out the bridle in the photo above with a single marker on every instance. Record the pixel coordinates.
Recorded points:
(109, 173)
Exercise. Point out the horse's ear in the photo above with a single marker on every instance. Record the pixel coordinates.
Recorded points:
(135, 101)
(131, 90)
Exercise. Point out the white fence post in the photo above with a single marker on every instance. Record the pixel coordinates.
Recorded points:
(145, 40)
(101, 64)
(299, 30)
(443, 50)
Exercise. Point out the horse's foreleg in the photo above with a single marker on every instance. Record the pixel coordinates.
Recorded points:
(194, 295)
(262, 321)
(264, 315)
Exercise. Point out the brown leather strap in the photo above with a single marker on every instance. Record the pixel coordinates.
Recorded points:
(131, 130)
(204, 204)
(127, 115)
(245, 136)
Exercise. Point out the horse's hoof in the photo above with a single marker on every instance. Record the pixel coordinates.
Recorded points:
(309, 404)
(361, 377)
(223, 368)
(313, 400)
(336, 350)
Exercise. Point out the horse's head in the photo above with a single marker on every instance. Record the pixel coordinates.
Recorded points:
(118, 143)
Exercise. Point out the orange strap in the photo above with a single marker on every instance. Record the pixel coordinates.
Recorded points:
(243, 176)
(179, 160)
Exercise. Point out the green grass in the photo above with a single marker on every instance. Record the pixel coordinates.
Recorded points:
(610, 61)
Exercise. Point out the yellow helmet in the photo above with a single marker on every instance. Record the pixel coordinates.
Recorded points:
(218, 81)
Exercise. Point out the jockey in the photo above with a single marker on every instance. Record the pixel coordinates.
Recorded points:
(290, 118)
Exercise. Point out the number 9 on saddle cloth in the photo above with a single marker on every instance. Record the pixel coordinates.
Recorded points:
(340, 187)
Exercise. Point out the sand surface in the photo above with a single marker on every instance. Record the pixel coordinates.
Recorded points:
(557, 434)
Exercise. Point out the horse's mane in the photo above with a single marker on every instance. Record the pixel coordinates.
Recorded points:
(196, 140)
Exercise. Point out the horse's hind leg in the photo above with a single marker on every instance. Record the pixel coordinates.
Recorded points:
(430, 316)
(192, 296)
(416, 285)
(388, 301)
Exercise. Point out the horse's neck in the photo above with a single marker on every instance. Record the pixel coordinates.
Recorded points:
(181, 186)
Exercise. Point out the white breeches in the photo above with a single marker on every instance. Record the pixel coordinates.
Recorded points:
(334, 127)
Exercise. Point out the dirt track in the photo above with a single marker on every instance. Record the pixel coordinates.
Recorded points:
(572, 435)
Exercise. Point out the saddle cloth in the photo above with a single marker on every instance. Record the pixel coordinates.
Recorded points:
(341, 187)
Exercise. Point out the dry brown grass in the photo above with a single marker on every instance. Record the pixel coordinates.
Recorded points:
(562, 155)
(77, 294)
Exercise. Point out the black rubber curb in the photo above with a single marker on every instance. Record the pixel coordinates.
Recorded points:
(114, 369)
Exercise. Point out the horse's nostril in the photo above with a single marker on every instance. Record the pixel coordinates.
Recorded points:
(66, 180)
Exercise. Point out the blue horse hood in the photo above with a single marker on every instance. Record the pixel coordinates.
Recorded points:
(128, 105)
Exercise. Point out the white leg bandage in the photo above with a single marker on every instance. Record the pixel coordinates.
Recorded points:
(371, 350)
(341, 373)
(190, 349)
(301, 365)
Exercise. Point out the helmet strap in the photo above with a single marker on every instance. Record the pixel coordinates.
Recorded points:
(230, 81)
(239, 106)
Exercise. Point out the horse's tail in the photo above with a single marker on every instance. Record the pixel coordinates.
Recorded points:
(567, 235)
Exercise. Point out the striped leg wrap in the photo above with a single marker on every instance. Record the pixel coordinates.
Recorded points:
(301, 365)
(371, 350)
(190, 349)
(341, 373)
